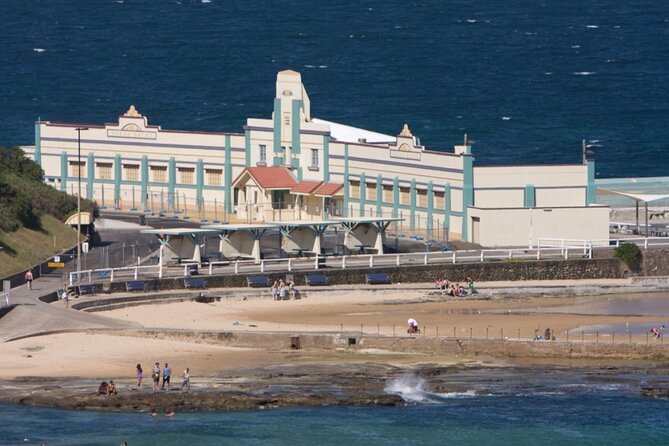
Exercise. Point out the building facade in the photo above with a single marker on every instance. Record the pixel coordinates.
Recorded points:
(325, 169)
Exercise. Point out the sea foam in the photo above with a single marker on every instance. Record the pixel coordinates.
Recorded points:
(412, 390)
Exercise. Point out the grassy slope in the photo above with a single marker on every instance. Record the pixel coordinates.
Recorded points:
(26, 247)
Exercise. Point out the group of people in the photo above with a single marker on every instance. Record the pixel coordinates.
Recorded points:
(454, 288)
(282, 290)
(166, 374)
(107, 388)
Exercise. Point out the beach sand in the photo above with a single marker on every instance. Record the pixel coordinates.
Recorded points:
(374, 312)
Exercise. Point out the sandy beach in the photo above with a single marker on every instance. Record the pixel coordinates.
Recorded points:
(372, 312)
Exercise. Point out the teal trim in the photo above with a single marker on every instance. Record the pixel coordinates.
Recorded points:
(118, 172)
(412, 209)
(90, 175)
(591, 195)
(295, 122)
(346, 185)
(430, 204)
(379, 194)
(199, 182)
(171, 183)
(277, 126)
(227, 194)
(247, 147)
(363, 193)
(38, 144)
(144, 199)
(396, 197)
(447, 206)
(530, 196)
(299, 173)
(326, 158)
(63, 171)
(467, 193)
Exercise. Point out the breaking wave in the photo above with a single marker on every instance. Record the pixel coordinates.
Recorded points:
(412, 390)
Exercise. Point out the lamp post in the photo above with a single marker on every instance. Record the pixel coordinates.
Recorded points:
(79, 130)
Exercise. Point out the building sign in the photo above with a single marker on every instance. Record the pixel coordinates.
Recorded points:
(56, 265)
(135, 134)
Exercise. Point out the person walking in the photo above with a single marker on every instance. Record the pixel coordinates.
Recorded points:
(29, 279)
(167, 372)
(185, 381)
(275, 290)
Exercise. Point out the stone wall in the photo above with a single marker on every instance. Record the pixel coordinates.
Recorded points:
(655, 262)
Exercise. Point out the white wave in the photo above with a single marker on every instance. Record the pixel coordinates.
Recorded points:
(310, 66)
(322, 66)
(584, 73)
(206, 1)
(592, 26)
(39, 50)
(471, 20)
(412, 390)
(576, 46)
(506, 118)
(548, 73)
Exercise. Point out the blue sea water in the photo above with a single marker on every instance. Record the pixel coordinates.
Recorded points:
(579, 418)
(526, 80)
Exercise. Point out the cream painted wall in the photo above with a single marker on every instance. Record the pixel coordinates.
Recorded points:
(515, 227)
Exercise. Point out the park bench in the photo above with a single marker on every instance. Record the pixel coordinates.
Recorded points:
(316, 279)
(377, 278)
(257, 281)
(85, 289)
(195, 282)
(135, 285)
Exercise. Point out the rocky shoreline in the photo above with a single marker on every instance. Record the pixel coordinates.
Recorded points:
(351, 384)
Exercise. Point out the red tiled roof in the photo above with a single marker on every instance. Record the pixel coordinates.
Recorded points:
(270, 177)
(305, 187)
(328, 189)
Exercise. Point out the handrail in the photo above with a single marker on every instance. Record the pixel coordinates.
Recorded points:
(546, 248)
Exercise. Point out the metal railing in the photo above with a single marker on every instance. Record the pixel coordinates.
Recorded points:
(290, 264)
(4, 299)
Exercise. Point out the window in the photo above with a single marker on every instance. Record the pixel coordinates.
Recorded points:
(371, 191)
(214, 177)
(421, 198)
(76, 168)
(159, 174)
(186, 175)
(286, 118)
(354, 190)
(283, 153)
(439, 200)
(263, 154)
(104, 171)
(405, 196)
(131, 172)
(388, 194)
(314, 158)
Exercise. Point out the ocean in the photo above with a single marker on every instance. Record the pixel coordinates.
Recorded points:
(548, 410)
(527, 81)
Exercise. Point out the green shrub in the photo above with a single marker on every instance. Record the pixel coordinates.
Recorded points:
(628, 253)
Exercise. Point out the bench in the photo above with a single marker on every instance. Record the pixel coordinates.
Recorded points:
(257, 281)
(104, 274)
(135, 285)
(195, 282)
(85, 289)
(377, 278)
(316, 279)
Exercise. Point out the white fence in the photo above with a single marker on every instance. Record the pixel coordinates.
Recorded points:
(546, 249)
(4, 299)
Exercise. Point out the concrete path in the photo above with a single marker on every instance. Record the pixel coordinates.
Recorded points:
(30, 316)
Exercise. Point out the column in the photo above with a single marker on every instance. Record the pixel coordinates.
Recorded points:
(379, 195)
(363, 193)
(118, 175)
(412, 209)
(346, 183)
(227, 193)
(145, 182)
(63, 171)
(90, 175)
(467, 192)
